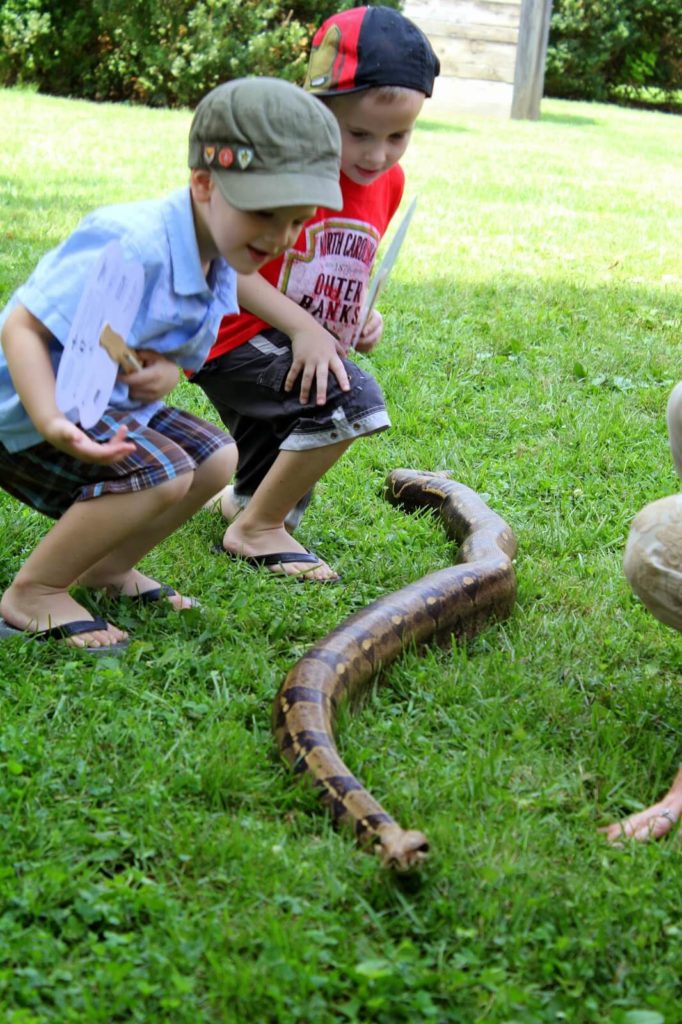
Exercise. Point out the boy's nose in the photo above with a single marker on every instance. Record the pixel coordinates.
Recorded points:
(375, 156)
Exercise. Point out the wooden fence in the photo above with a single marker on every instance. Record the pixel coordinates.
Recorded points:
(492, 52)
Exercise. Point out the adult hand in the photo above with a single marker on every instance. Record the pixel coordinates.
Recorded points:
(653, 822)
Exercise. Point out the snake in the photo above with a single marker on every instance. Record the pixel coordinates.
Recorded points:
(458, 601)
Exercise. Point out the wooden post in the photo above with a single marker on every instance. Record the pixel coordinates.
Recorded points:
(531, 51)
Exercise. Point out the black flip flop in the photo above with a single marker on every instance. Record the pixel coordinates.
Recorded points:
(67, 629)
(278, 558)
(160, 593)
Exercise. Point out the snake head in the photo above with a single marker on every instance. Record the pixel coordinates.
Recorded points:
(401, 850)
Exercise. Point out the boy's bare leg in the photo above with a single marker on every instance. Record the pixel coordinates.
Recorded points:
(260, 529)
(117, 572)
(38, 597)
(229, 507)
(225, 503)
(108, 533)
(652, 823)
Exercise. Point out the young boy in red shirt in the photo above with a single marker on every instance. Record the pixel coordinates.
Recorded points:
(373, 68)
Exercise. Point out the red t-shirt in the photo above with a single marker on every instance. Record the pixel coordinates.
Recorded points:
(327, 270)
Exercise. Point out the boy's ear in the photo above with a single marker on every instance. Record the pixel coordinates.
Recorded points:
(201, 185)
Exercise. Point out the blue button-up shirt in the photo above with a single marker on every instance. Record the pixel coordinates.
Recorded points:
(179, 314)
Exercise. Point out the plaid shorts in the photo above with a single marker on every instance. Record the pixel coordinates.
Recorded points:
(172, 443)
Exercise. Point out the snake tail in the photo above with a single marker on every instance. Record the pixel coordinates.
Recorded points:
(457, 601)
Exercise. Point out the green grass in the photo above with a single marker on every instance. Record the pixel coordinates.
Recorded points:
(157, 863)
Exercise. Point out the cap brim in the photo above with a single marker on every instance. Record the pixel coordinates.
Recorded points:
(322, 93)
(330, 93)
(253, 191)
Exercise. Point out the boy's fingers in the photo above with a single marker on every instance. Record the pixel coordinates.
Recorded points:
(103, 453)
(306, 382)
(321, 381)
(339, 371)
(293, 373)
(318, 371)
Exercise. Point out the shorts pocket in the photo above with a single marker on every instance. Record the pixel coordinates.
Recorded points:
(274, 375)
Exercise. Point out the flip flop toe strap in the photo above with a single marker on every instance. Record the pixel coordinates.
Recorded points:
(156, 594)
(282, 558)
(68, 629)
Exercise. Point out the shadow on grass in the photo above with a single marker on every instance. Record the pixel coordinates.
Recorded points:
(570, 119)
(440, 126)
(52, 193)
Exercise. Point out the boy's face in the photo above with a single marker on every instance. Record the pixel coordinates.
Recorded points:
(375, 130)
(245, 239)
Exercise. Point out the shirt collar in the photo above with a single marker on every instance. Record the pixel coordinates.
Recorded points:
(188, 273)
(188, 277)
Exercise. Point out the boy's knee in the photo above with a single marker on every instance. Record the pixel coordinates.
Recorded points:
(228, 462)
(174, 490)
(221, 466)
(653, 559)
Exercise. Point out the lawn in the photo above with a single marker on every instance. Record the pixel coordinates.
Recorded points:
(158, 863)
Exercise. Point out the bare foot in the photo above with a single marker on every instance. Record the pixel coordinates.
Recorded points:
(229, 507)
(135, 584)
(224, 503)
(35, 609)
(278, 540)
(653, 823)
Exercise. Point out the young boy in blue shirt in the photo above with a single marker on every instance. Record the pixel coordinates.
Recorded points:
(373, 68)
(263, 154)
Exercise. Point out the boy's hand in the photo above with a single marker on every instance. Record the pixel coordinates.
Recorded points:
(69, 438)
(158, 376)
(371, 332)
(314, 355)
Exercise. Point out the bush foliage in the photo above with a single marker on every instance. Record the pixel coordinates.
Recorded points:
(616, 50)
(170, 52)
(158, 52)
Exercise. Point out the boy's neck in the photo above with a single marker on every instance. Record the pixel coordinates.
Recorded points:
(205, 244)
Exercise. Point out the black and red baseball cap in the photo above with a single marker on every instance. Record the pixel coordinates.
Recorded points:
(369, 47)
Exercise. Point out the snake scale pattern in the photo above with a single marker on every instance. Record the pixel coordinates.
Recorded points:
(459, 600)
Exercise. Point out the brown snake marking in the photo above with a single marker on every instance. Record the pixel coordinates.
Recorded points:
(459, 601)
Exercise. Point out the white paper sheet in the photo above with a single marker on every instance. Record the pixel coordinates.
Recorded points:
(87, 373)
(381, 275)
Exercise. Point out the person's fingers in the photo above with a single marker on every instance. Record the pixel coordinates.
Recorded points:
(653, 828)
(615, 832)
(306, 383)
(652, 823)
(321, 378)
(106, 452)
(339, 371)
(294, 371)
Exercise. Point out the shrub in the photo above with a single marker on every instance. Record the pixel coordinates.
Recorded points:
(158, 52)
(615, 49)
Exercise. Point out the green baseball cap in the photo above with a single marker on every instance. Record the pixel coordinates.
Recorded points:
(268, 144)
